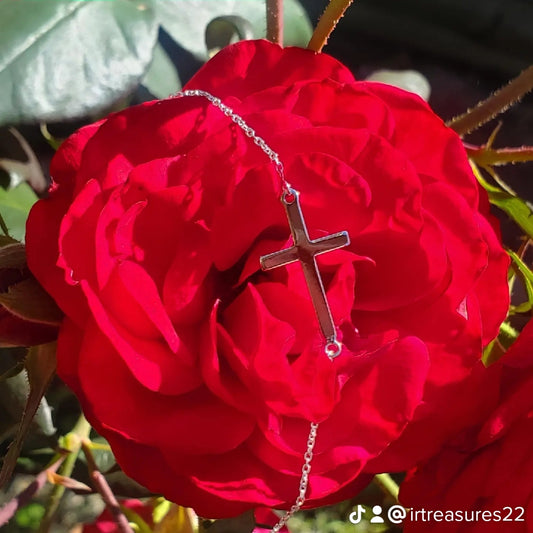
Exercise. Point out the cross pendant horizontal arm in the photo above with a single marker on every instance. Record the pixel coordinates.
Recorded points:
(305, 250)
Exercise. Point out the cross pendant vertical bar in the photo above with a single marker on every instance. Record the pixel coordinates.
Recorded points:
(305, 250)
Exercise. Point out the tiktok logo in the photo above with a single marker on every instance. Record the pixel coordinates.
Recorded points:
(356, 516)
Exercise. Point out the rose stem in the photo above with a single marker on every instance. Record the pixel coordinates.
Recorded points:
(72, 443)
(484, 156)
(495, 104)
(8, 510)
(333, 13)
(274, 21)
(105, 491)
(387, 485)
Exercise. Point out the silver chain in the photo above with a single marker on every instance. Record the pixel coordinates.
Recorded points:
(304, 480)
(274, 157)
(250, 132)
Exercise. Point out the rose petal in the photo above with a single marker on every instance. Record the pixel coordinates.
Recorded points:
(131, 297)
(449, 164)
(220, 376)
(77, 232)
(358, 429)
(42, 254)
(186, 423)
(241, 70)
(420, 268)
(152, 362)
(252, 217)
(186, 286)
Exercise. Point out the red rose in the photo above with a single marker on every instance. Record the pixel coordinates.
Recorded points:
(487, 473)
(204, 372)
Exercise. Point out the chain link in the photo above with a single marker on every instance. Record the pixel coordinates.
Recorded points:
(249, 131)
(304, 480)
(274, 158)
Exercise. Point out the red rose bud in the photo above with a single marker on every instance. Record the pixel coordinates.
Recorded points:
(28, 316)
(204, 372)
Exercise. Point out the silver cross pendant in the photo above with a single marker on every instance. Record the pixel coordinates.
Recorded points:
(305, 250)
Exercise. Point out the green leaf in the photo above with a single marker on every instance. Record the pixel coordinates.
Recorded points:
(29, 170)
(515, 207)
(497, 348)
(225, 30)
(62, 59)
(29, 301)
(186, 20)
(15, 204)
(5, 240)
(162, 79)
(15, 370)
(40, 365)
(527, 277)
(13, 256)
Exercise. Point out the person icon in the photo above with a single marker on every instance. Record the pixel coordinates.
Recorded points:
(377, 519)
